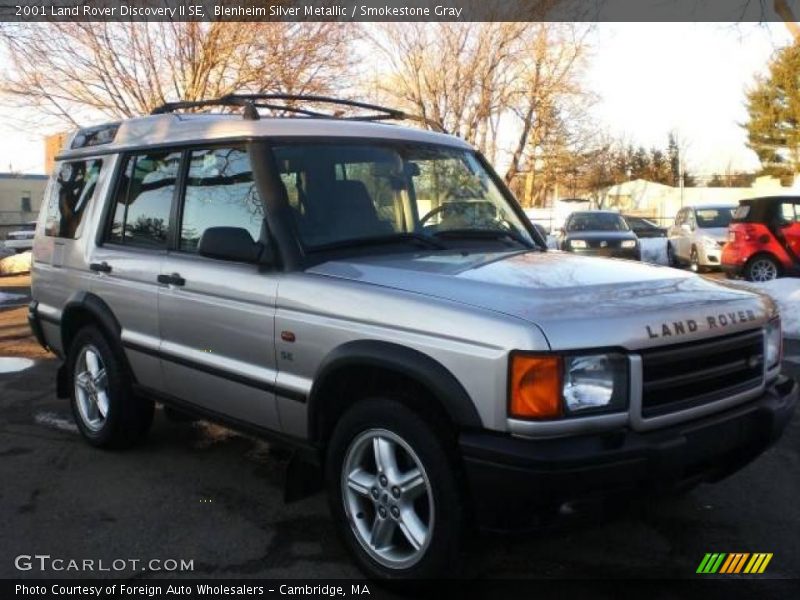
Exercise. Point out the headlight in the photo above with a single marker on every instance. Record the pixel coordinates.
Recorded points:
(774, 343)
(629, 243)
(577, 243)
(595, 383)
(552, 387)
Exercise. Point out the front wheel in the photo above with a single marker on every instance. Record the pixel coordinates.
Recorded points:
(694, 261)
(672, 259)
(394, 492)
(762, 268)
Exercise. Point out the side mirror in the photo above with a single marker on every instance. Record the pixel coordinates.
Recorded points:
(231, 243)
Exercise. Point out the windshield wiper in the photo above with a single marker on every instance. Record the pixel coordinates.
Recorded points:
(484, 234)
(380, 240)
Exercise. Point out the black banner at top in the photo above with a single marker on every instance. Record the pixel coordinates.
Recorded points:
(399, 10)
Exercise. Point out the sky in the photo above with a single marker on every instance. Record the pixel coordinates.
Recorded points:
(687, 77)
(650, 78)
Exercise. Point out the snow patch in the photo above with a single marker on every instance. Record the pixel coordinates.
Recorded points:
(13, 364)
(17, 263)
(654, 250)
(786, 293)
(51, 419)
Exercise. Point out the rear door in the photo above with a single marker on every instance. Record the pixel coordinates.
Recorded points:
(217, 318)
(128, 261)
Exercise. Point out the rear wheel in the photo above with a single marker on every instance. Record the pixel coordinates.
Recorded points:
(762, 268)
(106, 411)
(393, 492)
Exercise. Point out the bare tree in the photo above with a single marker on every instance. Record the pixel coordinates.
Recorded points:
(456, 76)
(121, 70)
(547, 95)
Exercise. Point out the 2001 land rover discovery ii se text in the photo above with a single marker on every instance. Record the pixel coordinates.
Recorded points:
(374, 296)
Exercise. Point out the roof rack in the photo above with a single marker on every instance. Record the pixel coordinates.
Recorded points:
(252, 102)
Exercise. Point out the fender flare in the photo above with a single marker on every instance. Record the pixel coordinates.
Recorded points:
(444, 386)
(94, 305)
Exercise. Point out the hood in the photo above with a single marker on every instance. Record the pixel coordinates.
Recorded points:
(600, 235)
(577, 301)
(718, 233)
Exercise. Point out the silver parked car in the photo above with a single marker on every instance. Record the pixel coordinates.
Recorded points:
(697, 236)
(374, 297)
(21, 240)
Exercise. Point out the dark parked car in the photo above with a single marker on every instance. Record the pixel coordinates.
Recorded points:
(599, 233)
(644, 228)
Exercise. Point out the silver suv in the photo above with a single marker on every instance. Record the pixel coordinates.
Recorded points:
(697, 236)
(374, 297)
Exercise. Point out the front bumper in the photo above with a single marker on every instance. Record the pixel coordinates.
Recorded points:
(628, 253)
(512, 479)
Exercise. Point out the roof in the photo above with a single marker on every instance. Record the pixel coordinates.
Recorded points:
(23, 176)
(168, 129)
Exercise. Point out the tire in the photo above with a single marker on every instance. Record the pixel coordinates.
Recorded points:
(99, 383)
(672, 259)
(694, 261)
(762, 268)
(364, 502)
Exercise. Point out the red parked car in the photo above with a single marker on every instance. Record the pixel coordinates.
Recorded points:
(764, 239)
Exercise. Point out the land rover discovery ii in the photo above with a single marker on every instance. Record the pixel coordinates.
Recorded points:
(374, 296)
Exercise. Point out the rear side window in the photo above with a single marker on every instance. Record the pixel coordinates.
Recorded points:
(789, 212)
(144, 199)
(72, 191)
(219, 193)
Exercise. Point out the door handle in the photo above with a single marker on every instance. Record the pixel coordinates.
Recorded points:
(173, 279)
(102, 267)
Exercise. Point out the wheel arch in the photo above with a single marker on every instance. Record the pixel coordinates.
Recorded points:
(449, 396)
(82, 309)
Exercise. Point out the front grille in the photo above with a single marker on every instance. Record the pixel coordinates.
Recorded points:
(687, 375)
(608, 243)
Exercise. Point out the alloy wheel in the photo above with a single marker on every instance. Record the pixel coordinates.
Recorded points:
(91, 388)
(388, 498)
(763, 269)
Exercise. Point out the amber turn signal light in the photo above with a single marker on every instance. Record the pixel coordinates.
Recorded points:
(535, 387)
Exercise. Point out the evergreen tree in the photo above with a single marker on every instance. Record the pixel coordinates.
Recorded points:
(773, 105)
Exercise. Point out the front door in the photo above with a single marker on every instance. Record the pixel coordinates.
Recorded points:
(217, 317)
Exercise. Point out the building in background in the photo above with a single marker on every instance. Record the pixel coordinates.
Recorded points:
(661, 202)
(20, 198)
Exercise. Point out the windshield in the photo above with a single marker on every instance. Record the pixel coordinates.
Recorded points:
(714, 217)
(349, 192)
(596, 221)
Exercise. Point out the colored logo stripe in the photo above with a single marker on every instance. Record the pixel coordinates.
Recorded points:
(758, 563)
(720, 562)
(711, 562)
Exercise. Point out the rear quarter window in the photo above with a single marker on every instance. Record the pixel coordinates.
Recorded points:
(74, 186)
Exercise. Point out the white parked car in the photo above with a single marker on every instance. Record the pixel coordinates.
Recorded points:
(697, 236)
(21, 240)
